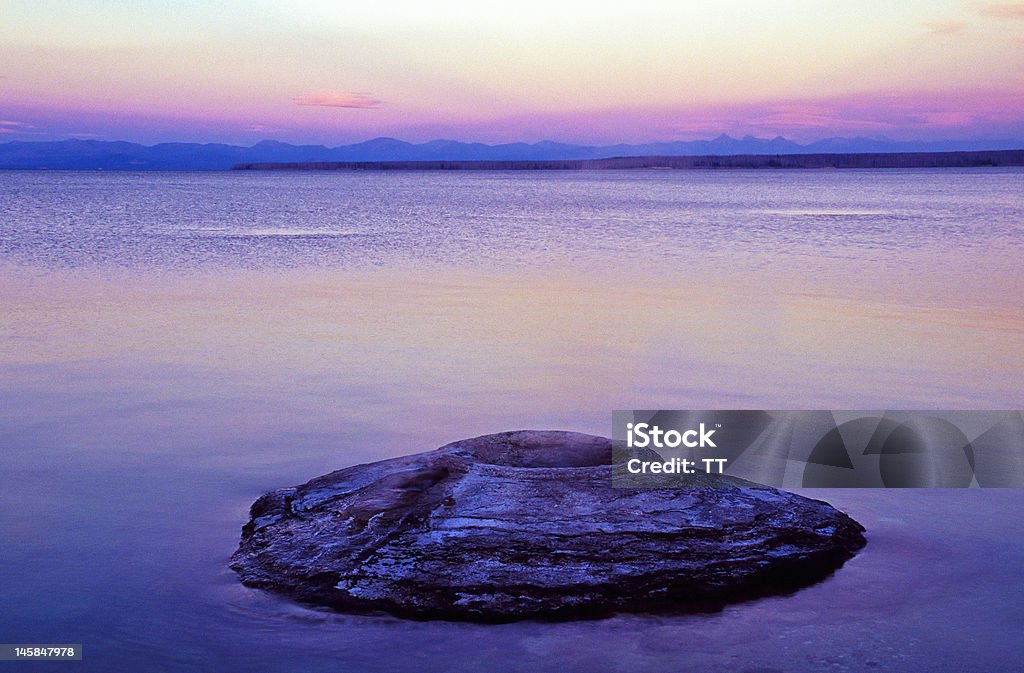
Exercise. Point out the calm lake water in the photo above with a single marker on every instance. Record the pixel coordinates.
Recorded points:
(172, 345)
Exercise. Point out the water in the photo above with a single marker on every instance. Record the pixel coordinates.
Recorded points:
(173, 345)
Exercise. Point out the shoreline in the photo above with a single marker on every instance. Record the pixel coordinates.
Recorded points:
(967, 159)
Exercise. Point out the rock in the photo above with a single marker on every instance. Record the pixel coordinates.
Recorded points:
(527, 525)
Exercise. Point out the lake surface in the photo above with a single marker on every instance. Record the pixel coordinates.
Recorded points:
(172, 345)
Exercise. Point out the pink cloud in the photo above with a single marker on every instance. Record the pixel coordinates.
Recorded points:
(10, 126)
(804, 116)
(1002, 10)
(345, 99)
(696, 129)
(903, 115)
(262, 128)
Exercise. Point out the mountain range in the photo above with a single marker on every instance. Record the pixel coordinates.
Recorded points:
(120, 155)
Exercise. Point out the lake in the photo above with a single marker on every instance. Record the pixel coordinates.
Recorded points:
(172, 345)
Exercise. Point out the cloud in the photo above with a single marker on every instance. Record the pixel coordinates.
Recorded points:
(698, 128)
(953, 118)
(345, 99)
(812, 116)
(906, 114)
(946, 28)
(262, 128)
(1002, 10)
(10, 126)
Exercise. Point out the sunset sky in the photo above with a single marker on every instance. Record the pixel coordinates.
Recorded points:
(333, 72)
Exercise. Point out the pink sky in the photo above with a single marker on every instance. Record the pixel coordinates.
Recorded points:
(334, 72)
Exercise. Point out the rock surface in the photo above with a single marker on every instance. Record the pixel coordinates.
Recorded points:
(527, 525)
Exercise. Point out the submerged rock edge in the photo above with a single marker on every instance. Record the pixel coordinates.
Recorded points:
(525, 524)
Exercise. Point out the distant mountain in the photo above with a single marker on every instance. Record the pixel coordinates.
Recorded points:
(119, 155)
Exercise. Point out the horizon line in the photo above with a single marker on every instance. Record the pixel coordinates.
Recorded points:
(722, 137)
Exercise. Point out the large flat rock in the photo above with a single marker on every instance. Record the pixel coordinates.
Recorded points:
(527, 525)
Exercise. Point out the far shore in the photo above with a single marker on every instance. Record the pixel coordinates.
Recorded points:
(860, 160)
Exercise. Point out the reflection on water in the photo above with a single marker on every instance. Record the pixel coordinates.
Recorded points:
(162, 364)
